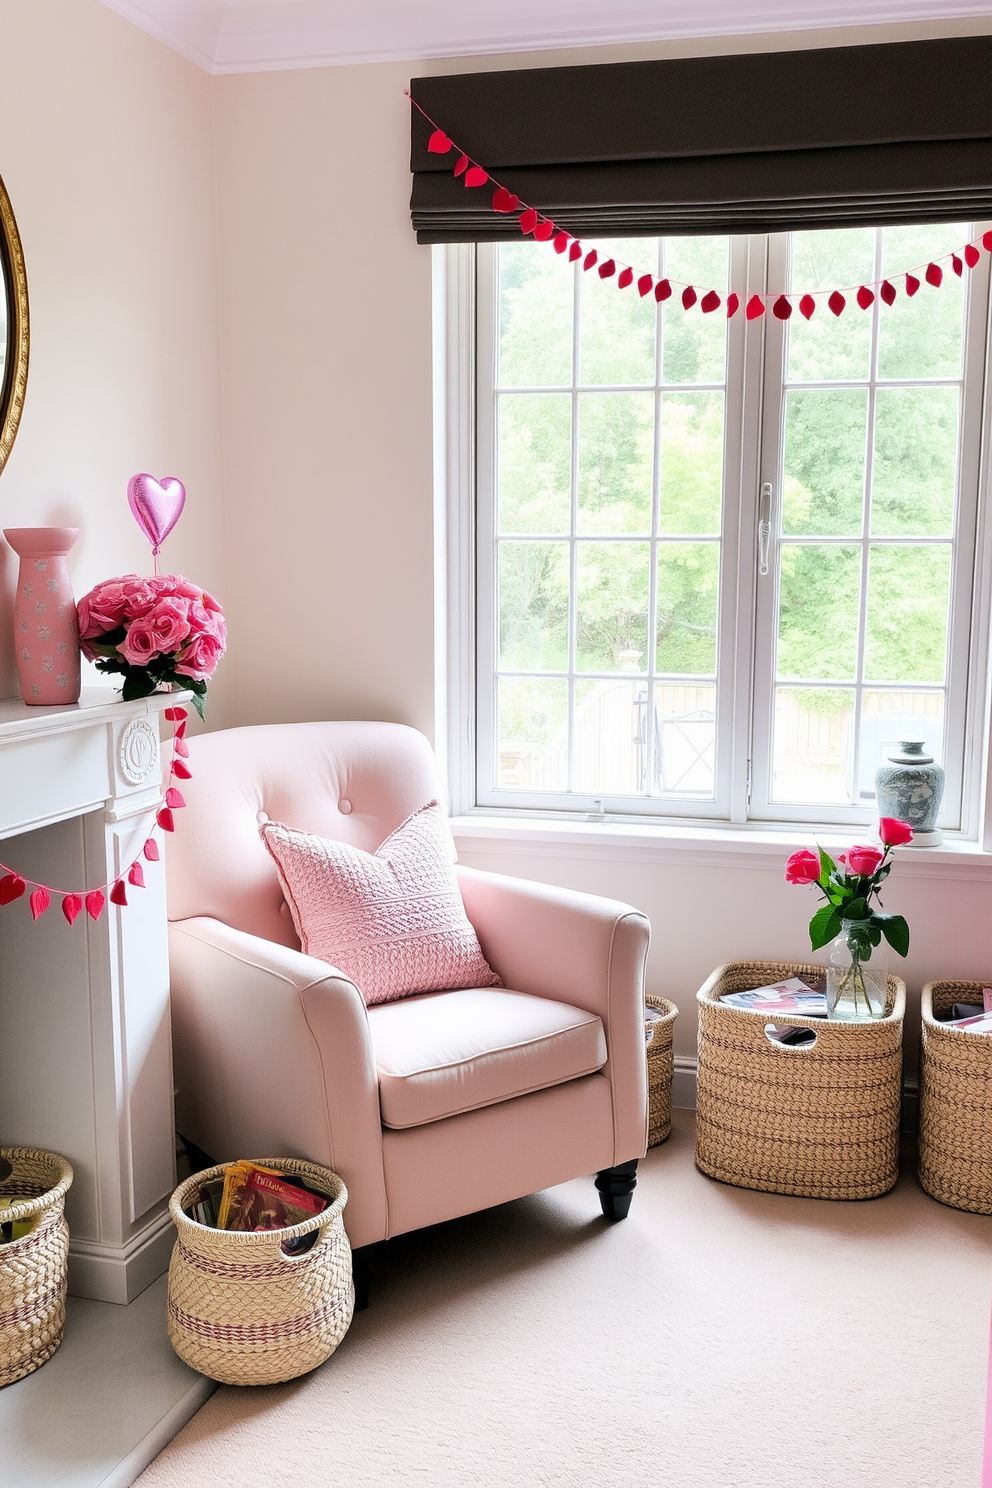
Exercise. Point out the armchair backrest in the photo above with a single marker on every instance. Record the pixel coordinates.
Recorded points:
(352, 781)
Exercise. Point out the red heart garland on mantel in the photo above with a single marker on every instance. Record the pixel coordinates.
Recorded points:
(40, 900)
(94, 903)
(439, 143)
(71, 905)
(476, 176)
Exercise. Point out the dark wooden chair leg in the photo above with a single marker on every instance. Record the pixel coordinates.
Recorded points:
(362, 1271)
(616, 1187)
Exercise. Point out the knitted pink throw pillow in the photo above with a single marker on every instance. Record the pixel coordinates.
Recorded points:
(392, 920)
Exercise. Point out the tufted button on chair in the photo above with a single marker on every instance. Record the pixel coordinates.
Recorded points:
(429, 1107)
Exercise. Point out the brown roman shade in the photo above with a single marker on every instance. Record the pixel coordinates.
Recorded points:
(900, 132)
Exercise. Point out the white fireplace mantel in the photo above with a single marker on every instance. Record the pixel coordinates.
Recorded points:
(85, 1047)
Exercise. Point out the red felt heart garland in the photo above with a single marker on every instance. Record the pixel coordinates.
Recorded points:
(544, 229)
(14, 886)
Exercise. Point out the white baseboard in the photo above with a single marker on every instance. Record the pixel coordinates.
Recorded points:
(684, 1084)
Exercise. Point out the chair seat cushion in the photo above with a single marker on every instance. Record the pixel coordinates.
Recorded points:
(393, 920)
(448, 1052)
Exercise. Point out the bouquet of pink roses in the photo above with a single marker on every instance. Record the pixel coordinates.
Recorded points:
(155, 630)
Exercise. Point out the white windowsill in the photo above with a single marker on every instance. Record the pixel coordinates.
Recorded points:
(697, 845)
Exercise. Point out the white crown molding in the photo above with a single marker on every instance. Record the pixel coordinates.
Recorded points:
(190, 27)
(230, 36)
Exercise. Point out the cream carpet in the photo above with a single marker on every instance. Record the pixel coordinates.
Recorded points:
(715, 1339)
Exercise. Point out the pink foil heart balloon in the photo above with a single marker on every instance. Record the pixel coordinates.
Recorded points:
(157, 506)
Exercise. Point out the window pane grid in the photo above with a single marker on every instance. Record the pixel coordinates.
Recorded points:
(618, 555)
(874, 636)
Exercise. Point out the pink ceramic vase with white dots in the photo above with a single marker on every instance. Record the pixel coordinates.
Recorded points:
(46, 630)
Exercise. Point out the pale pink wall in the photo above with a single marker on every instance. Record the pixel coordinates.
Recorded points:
(105, 140)
(326, 327)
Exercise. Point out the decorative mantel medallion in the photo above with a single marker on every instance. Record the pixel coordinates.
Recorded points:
(138, 754)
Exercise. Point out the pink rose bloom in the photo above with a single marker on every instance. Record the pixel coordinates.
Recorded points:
(894, 832)
(207, 622)
(141, 596)
(176, 584)
(863, 860)
(139, 646)
(200, 657)
(169, 621)
(803, 867)
(210, 603)
(102, 609)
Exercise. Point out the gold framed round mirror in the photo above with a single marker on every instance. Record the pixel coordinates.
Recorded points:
(13, 327)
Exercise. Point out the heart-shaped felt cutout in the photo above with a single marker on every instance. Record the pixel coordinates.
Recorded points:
(12, 886)
(439, 143)
(836, 303)
(505, 201)
(807, 306)
(156, 505)
(476, 176)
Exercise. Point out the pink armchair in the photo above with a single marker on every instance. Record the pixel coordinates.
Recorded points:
(429, 1107)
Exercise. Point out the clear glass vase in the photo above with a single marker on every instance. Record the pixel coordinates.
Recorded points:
(856, 980)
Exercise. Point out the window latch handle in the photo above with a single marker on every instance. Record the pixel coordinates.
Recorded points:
(764, 526)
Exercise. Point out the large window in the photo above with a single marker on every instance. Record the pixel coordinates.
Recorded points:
(722, 567)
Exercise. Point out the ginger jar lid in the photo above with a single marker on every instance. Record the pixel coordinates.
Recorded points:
(911, 752)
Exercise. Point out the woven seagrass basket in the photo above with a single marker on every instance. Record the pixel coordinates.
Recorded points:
(955, 1150)
(241, 1310)
(661, 1067)
(819, 1120)
(33, 1269)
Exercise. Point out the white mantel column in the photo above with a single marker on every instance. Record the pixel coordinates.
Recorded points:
(85, 1046)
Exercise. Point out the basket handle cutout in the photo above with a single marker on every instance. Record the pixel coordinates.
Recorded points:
(791, 1036)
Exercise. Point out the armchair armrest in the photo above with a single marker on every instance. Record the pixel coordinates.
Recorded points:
(252, 1018)
(580, 949)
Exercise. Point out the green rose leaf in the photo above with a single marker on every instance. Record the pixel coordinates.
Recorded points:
(824, 925)
(137, 684)
(856, 910)
(827, 866)
(896, 932)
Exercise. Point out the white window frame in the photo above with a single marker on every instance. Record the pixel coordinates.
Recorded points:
(460, 426)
